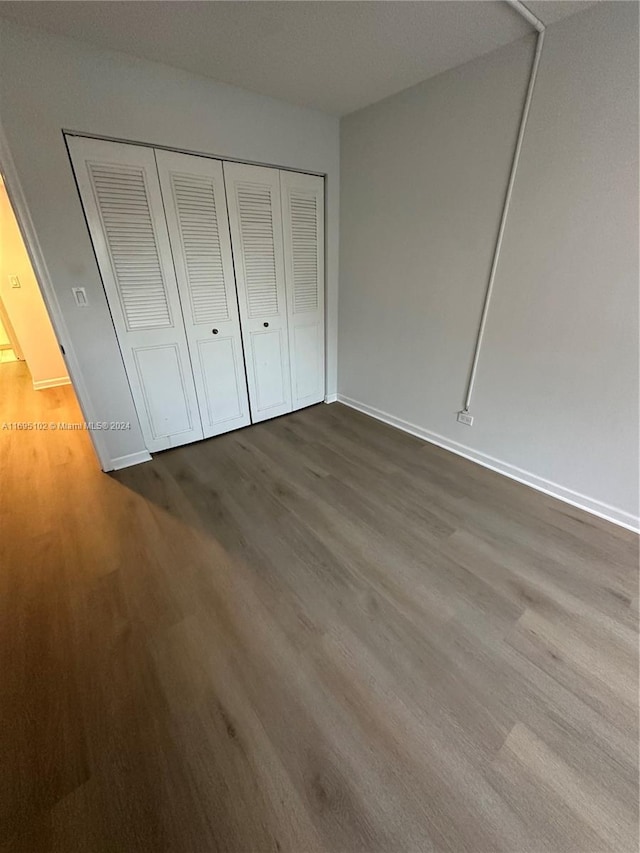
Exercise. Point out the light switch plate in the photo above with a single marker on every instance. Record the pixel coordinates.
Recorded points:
(14, 281)
(80, 295)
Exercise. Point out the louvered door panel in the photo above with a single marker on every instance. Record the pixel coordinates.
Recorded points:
(197, 217)
(304, 250)
(120, 194)
(195, 206)
(122, 199)
(253, 198)
(255, 215)
(303, 233)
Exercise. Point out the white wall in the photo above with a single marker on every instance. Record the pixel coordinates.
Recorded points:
(423, 178)
(24, 305)
(49, 83)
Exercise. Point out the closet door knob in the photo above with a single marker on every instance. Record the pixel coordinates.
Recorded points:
(215, 331)
(266, 325)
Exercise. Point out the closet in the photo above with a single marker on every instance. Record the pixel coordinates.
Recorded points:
(214, 275)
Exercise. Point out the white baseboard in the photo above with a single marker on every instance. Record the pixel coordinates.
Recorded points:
(127, 461)
(595, 507)
(51, 383)
(331, 398)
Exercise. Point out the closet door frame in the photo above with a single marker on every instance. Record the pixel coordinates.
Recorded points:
(140, 347)
(213, 332)
(154, 442)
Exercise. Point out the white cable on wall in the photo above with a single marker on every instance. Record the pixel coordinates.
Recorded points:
(540, 27)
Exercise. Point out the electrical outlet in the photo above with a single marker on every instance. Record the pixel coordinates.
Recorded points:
(14, 281)
(465, 418)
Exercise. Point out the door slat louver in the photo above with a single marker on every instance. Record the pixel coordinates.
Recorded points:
(121, 196)
(255, 216)
(197, 216)
(304, 249)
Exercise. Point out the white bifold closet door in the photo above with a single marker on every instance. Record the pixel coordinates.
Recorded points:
(214, 274)
(303, 232)
(253, 197)
(121, 196)
(196, 210)
(277, 230)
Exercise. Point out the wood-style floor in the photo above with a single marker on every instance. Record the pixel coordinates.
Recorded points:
(316, 634)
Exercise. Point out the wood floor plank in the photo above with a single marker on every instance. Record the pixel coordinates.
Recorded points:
(315, 635)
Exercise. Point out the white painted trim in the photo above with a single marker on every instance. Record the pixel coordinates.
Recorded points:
(591, 505)
(127, 461)
(331, 398)
(146, 144)
(34, 250)
(51, 383)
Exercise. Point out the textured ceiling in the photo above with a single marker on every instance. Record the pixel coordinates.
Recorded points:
(332, 56)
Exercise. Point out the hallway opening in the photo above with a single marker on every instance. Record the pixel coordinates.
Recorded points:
(36, 394)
